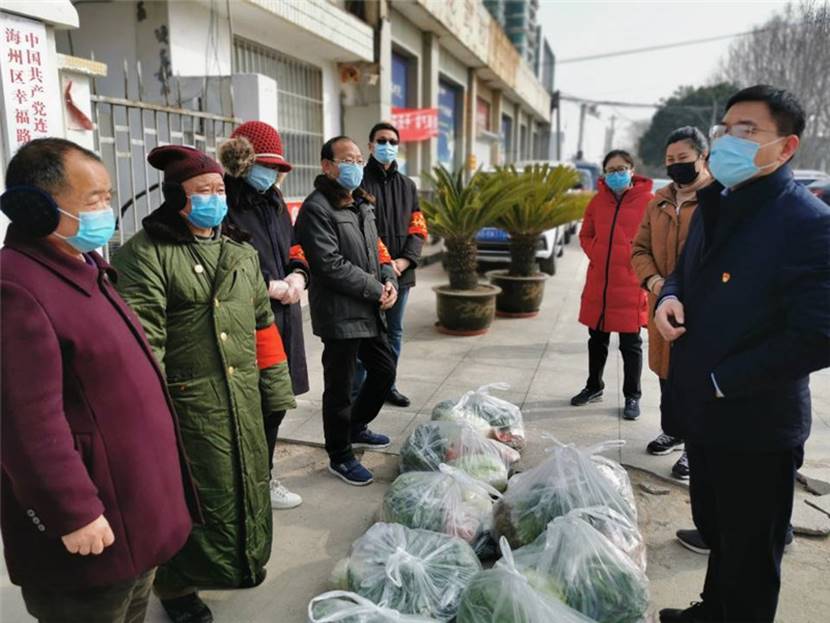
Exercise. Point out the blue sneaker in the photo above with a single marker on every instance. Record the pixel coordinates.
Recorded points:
(352, 472)
(370, 440)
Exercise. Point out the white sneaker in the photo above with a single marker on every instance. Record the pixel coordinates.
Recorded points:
(282, 498)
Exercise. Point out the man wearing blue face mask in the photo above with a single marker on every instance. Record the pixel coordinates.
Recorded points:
(205, 308)
(352, 286)
(401, 227)
(747, 312)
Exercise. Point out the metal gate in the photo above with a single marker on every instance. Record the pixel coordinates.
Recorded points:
(126, 130)
(299, 109)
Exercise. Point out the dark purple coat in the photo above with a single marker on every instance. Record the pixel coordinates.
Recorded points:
(87, 425)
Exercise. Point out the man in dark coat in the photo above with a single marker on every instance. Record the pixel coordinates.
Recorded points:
(257, 214)
(352, 285)
(402, 228)
(94, 481)
(747, 309)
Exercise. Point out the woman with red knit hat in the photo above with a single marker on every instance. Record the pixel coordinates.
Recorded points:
(206, 313)
(257, 214)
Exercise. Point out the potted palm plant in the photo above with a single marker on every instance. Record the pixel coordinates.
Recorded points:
(457, 212)
(546, 201)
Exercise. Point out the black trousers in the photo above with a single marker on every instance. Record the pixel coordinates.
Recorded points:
(125, 602)
(744, 521)
(272, 429)
(341, 418)
(631, 348)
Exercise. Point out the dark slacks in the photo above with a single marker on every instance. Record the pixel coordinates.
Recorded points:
(631, 348)
(272, 429)
(744, 521)
(342, 418)
(125, 602)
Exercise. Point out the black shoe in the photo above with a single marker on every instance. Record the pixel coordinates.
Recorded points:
(691, 540)
(632, 409)
(397, 399)
(680, 470)
(696, 613)
(664, 444)
(187, 609)
(585, 396)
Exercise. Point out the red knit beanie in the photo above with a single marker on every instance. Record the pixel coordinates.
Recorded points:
(180, 163)
(266, 141)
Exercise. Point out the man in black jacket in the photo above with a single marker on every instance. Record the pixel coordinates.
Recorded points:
(402, 228)
(747, 311)
(353, 283)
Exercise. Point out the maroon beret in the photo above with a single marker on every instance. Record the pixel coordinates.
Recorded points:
(180, 163)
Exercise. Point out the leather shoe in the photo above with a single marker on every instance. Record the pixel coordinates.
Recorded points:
(396, 398)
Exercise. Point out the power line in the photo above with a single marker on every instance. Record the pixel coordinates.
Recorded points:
(583, 100)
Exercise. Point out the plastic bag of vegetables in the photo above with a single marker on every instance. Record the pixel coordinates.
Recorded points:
(459, 445)
(447, 501)
(504, 595)
(568, 479)
(618, 529)
(592, 574)
(488, 414)
(346, 607)
(413, 571)
(618, 476)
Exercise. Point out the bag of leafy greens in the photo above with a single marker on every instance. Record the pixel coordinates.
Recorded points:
(592, 574)
(413, 571)
(568, 479)
(459, 445)
(617, 475)
(504, 595)
(447, 501)
(618, 529)
(346, 607)
(490, 415)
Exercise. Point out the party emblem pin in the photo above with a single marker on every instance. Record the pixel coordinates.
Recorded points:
(725, 277)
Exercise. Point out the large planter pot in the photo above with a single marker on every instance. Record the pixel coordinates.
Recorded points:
(521, 297)
(466, 312)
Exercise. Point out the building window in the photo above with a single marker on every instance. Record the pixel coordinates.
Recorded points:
(507, 139)
(449, 123)
(299, 109)
(401, 68)
(482, 115)
(523, 145)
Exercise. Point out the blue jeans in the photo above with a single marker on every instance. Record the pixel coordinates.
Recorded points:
(394, 321)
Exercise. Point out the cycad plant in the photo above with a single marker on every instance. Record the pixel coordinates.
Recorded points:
(544, 202)
(459, 210)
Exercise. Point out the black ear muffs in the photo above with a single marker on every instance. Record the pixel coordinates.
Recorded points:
(31, 209)
(174, 196)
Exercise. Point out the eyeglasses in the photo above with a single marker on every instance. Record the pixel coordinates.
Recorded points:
(359, 162)
(383, 141)
(618, 170)
(739, 130)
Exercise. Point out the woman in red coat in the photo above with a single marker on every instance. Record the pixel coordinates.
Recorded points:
(612, 300)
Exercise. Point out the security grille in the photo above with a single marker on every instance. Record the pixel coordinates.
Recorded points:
(299, 109)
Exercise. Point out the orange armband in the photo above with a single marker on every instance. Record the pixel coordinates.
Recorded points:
(269, 348)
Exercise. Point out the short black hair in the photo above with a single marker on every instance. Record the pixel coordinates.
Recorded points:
(618, 152)
(691, 134)
(784, 107)
(327, 153)
(40, 163)
(383, 125)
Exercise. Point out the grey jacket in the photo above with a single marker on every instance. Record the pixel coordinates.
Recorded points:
(348, 263)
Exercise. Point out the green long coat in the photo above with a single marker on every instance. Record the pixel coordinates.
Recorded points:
(200, 303)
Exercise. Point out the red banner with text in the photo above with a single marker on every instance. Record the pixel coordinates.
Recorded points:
(415, 124)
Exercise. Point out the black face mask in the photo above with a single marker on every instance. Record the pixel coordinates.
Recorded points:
(682, 172)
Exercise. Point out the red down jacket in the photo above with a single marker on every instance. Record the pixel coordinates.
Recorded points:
(613, 300)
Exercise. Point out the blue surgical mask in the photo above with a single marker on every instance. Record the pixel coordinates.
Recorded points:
(386, 154)
(261, 178)
(732, 160)
(618, 180)
(207, 210)
(95, 229)
(350, 176)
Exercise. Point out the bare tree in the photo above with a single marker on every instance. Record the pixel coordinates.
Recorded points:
(792, 50)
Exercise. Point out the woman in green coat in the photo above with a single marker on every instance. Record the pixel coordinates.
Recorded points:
(206, 312)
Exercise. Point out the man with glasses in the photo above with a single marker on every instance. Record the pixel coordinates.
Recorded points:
(402, 228)
(353, 284)
(747, 312)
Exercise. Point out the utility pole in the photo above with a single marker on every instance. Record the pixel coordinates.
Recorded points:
(609, 134)
(715, 119)
(583, 109)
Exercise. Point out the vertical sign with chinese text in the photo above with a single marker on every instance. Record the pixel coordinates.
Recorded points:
(25, 73)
